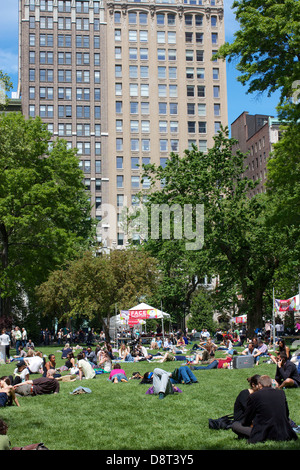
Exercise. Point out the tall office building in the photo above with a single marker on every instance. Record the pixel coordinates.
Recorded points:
(126, 83)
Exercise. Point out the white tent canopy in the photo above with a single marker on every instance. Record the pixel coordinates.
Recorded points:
(144, 311)
(140, 313)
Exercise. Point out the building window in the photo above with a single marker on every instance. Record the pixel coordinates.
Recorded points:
(143, 17)
(120, 200)
(190, 108)
(160, 19)
(98, 202)
(214, 38)
(120, 181)
(202, 127)
(119, 163)
(97, 166)
(134, 145)
(201, 91)
(98, 184)
(191, 127)
(216, 92)
(217, 109)
(119, 144)
(213, 21)
(119, 125)
(135, 182)
(201, 109)
(120, 240)
(216, 74)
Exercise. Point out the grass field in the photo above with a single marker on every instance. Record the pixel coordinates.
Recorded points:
(122, 417)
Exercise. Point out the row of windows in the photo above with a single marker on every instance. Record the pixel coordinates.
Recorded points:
(65, 111)
(64, 6)
(162, 37)
(135, 182)
(64, 23)
(165, 19)
(190, 55)
(135, 145)
(63, 58)
(163, 107)
(162, 54)
(144, 125)
(84, 7)
(142, 71)
(85, 166)
(143, 107)
(82, 130)
(65, 93)
(84, 148)
(165, 145)
(64, 40)
(142, 53)
(136, 162)
(64, 76)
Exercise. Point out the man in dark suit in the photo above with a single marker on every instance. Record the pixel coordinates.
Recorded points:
(266, 415)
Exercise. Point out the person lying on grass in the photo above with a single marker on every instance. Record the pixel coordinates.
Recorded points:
(215, 364)
(40, 386)
(117, 374)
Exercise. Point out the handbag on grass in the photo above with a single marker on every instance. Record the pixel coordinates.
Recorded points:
(39, 446)
(225, 422)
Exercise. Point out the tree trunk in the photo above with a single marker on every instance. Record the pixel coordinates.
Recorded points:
(106, 328)
(255, 312)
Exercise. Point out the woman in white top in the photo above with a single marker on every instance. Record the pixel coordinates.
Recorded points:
(123, 351)
(85, 368)
(34, 363)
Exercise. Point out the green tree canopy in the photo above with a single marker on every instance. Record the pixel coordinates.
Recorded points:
(267, 46)
(239, 244)
(44, 208)
(93, 287)
(283, 181)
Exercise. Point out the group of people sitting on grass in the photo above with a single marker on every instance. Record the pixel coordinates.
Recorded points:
(248, 421)
(88, 362)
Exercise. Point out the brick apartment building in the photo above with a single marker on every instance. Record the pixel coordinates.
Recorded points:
(256, 135)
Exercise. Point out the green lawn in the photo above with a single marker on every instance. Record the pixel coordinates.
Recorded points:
(122, 417)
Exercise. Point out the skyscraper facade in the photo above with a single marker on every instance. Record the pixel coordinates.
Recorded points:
(126, 83)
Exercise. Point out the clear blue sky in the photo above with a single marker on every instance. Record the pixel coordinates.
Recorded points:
(238, 100)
